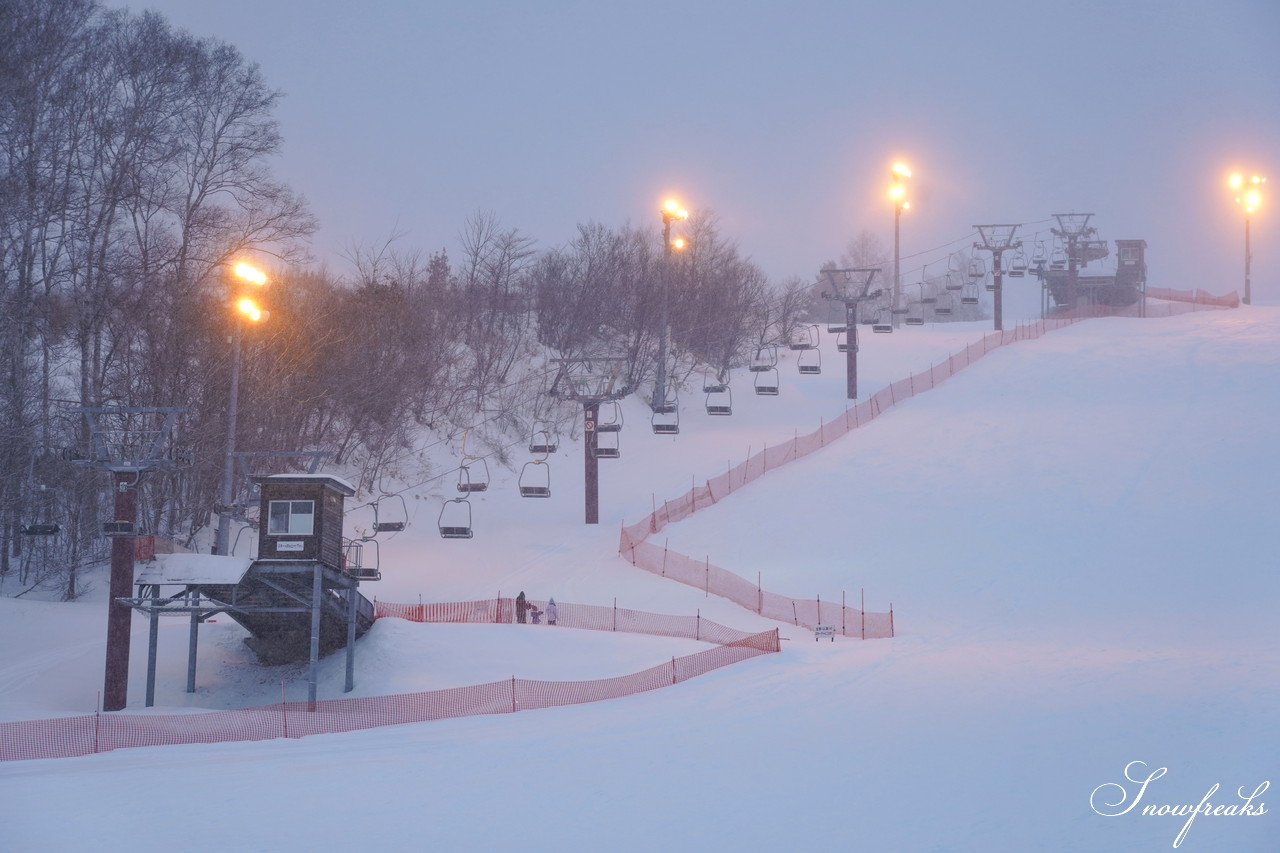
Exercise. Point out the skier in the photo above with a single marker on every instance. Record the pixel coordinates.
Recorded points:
(522, 607)
(551, 612)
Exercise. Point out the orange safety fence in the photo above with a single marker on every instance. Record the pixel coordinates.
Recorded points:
(82, 735)
(634, 542)
(569, 615)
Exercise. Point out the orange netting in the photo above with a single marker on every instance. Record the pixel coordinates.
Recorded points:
(72, 736)
(714, 580)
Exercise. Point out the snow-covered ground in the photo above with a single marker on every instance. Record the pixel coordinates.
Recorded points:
(1077, 535)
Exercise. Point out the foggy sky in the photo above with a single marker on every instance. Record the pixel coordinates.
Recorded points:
(405, 117)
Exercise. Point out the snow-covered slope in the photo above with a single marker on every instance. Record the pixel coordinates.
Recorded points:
(1076, 534)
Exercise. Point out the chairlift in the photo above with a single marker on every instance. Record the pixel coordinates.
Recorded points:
(883, 324)
(839, 321)
(666, 422)
(954, 281)
(720, 402)
(1058, 258)
(766, 359)
(810, 362)
(716, 384)
(977, 268)
(842, 342)
(668, 404)
(614, 424)
(398, 521)
(1039, 254)
(608, 451)
(990, 284)
(915, 314)
(455, 519)
(535, 479)
(944, 306)
(1018, 264)
(766, 383)
(542, 440)
(970, 295)
(805, 338)
(353, 562)
(473, 475)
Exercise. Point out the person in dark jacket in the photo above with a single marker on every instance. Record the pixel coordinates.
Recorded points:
(522, 607)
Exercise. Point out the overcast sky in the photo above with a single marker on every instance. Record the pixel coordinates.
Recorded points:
(407, 116)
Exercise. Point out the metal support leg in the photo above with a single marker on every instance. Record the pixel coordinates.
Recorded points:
(153, 639)
(191, 652)
(351, 635)
(314, 673)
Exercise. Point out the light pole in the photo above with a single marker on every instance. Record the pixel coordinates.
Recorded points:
(898, 193)
(245, 309)
(671, 212)
(1249, 196)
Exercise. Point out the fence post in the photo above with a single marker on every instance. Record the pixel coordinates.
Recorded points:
(513, 694)
(97, 714)
(795, 617)
(864, 613)
(665, 542)
(615, 613)
(843, 615)
(707, 577)
(673, 670)
(891, 633)
(284, 712)
(759, 595)
(697, 629)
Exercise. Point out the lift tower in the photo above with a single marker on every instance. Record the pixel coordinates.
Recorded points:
(851, 286)
(591, 381)
(1073, 228)
(997, 239)
(127, 441)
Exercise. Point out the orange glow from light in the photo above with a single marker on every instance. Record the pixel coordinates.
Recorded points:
(901, 169)
(897, 191)
(1236, 181)
(679, 244)
(250, 273)
(249, 309)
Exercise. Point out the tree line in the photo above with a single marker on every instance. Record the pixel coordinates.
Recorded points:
(133, 173)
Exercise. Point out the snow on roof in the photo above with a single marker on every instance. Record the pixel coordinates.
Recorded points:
(193, 568)
(351, 490)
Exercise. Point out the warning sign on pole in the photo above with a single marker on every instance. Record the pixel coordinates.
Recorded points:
(591, 426)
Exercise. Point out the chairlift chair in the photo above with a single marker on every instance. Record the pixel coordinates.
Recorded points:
(977, 268)
(970, 295)
(608, 451)
(614, 424)
(883, 324)
(990, 284)
(944, 306)
(810, 362)
(720, 402)
(766, 384)
(1039, 254)
(542, 441)
(668, 404)
(915, 314)
(398, 521)
(842, 342)
(954, 281)
(1018, 264)
(716, 384)
(805, 338)
(839, 321)
(455, 519)
(1058, 258)
(473, 475)
(666, 422)
(766, 359)
(535, 479)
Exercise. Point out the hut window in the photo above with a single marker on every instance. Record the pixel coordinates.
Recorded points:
(291, 518)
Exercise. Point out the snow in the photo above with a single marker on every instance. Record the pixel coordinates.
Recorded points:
(192, 568)
(1077, 536)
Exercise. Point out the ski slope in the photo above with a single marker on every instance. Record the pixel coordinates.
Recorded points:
(1077, 537)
